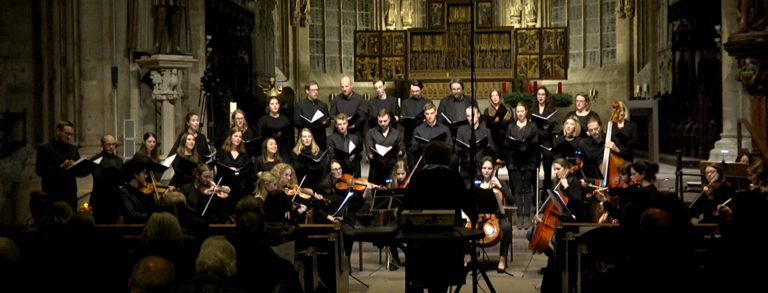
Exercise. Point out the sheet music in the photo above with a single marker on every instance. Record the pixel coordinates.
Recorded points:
(381, 150)
(169, 160)
(97, 161)
(315, 117)
(351, 145)
(76, 162)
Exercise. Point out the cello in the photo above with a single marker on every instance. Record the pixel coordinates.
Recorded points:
(542, 235)
(610, 165)
(489, 223)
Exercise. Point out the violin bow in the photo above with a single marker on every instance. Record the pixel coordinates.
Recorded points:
(157, 196)
(215, 187)
(412, 171)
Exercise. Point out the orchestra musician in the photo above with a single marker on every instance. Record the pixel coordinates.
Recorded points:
(328, 212)
(312, 174)
(266, 184)
(716, 192)
(464, 135)
(107, 179)
(745, 156)
(238, 121)
(545, 107)
(452, 106)
(186, 149)
(498, 125)
(522, 144)
(429, 131)
(400, 174)
(489, 181)
(626, 132)
(352, 104)
(307, 108)
(388, 137)
(340, 139)
(411, 107)
(592, 146)
(269, 157)
(238, 178)
(286, 177)
(618, 192)
(582, 112)
(631, 209)
(53, 159)
(383, 101)
(192, 126)
(198, 194)
(136, 206)
(571, 132)
(274, 121)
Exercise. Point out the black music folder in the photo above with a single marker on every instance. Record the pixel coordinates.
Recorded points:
(516, 143)
(454, 124)
(564, 148)
(480, 144)
(252, 143)
(82, 166)
(317, 118)
(153, 166)
(381, 154)
(539, 119)
(439, 137)
(310, 160)
(500, 113)
(229, 170)
(284, 131)
(413, 121)
(342, 155)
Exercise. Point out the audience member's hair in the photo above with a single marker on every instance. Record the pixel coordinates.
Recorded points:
(9, 254)
(655, 219)
(247, 204)
(437, 153)
(167, 206)
(81, 224)
(162, 232)
(748, 154)
(58, 213)
(176, 197)
(153, 274)
(250, 224)
(217, 257)
(39, 202)
(760, 169)
(650, 169)
(276, 204)
(671, 203)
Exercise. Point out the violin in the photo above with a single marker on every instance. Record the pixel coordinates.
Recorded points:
(151, 187)
(348, 181)
(221, 191)
(305, 193)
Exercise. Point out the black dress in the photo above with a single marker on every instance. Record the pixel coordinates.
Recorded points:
(201, 145)
(314, 173)
(285, 141)
(260, 166)
(546, 140)
(107, 180)
(629, 137)
(498, 131)
(574, 142)
(238, 181)
(180, 177)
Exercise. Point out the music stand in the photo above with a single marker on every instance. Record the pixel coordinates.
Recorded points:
(387, 199)
(559, 203)
(590, 170)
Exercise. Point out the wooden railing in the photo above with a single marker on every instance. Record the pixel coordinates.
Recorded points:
(756, 138)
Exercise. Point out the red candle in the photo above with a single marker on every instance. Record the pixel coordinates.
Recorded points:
(536, 85)
(559, 87)
(504, 86)
(529, 87)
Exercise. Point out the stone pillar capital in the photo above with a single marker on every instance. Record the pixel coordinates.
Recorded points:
(165, 75)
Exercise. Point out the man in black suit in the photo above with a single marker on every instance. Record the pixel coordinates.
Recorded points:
(352, 104)
(452, 106)
(307, 108)
(106, 183)
(53, 159)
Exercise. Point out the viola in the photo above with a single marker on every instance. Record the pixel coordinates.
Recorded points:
(151, 187)
(221, 191)
(305, 193)
(348, 181)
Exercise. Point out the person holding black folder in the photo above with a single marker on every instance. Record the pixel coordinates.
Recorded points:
(352, 104)
(107, 179)
(582, 112)
(451, 109)
(186, 160)
(53, 160)
(383, 146)
(312, 113)
(412, 110)
(523, 144)
(308, 159)
(136, 206)
(565, 145)
(383, 101)
(249, 136)
(484, 144)
(276, 126)
(626, 132)
(488, 181)
(234, 169)
(544, 116)
(426, 132)
(345, 148)
(192, 126)
(498, 115)
(270, 156)
(148, 149)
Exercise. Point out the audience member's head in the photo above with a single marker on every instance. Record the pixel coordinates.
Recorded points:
(671, 203)
(250, 224)
(217, 257)
(247, 204)
(655, 220)
(153, 274)
(166, 205)
(81, 224)
(58, 213)
(162, 232)
(437, 153)
(39, 202)
(276, 204)
(176, 197)
(758, 175)
(9, 255)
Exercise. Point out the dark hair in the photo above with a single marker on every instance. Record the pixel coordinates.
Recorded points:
(746, 152)
(548, 104)
(456, 80)
(593, 119)
(309, 84)
(416, 83)
(153, 154)
(133, 167)
(563, 162)
(481, 163)
(62, 123)
(269, 99)
(276, 204)
(247, 204)
(250, 224)
(39, 202)
(437, 153)
(720, 172)
(624, 168)
(382, 112)
(648, 168)
(58, 213)
(165, 205)
(201, 169)
(378, 80)
(328, 182)
(264, 152)
(81, 224)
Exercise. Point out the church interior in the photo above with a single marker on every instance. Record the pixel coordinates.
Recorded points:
(157, 96)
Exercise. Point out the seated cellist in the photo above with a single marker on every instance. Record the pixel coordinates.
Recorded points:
(488, 180)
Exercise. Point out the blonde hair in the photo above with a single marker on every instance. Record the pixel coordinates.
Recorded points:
(176, 197)
(217, 257)
(261, 184)
(228, 147)
(233, 124)
(182, 143)
(623, 107)
(280, 168)
(313, 146)
(576, 129)
(399, 165)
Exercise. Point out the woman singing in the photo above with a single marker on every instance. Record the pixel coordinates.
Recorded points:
(545, 107)
(238, 121)
(488, 181)
(582, 112)
(232, 155)
(312, 174)
(269, 157)
(571, 132)
(498, 116)
(626, 132)
(523, 144)
(192, 126)
(186, 150)
(148, 148)
(276, 126)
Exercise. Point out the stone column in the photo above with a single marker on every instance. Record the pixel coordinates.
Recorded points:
(166, 73)
(735, 96)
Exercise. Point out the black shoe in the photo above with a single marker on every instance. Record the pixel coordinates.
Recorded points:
(501, 271)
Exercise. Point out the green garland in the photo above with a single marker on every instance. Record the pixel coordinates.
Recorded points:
(560, 100)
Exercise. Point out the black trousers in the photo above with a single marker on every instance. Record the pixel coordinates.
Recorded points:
(522, 188)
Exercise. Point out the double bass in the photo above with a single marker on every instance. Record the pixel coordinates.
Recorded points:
(542, 234)
(610, 165)
(489, 223)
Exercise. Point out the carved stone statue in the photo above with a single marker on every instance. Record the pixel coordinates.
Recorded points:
(759, 21)
(515, 12)
(531, 8)
(169, 13)
(406, 13)
(301, 16)
(391, 14)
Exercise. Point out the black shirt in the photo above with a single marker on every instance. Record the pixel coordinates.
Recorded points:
(561, 139)
(50, 156)
(307, 108)
(628, 136)
(453, 109)
(107, 178)
(238, 181)
(260, 166)
(355, 104)
(198, 201)
(179, 176)
(390, 103)
(336, 197)
(266, 122)
(463, 135)
(136, 206)
(523, 155)
(582, 121)
(341, 142)
(201, 145)
(450, 194)
(313, 173)
(428, 132)
(593, 150)
(545, 135)
(374, 136)
(411, 107)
